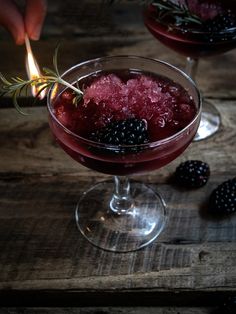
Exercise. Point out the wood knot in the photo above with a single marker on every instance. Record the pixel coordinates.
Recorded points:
(202, 255)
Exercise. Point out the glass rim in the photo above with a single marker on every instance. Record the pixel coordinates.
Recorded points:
(118, 146)
(229, 31)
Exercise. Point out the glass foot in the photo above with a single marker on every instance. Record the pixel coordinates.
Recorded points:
(124, 232)
(210, 122)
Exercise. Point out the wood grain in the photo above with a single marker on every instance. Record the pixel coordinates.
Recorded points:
(45, 250)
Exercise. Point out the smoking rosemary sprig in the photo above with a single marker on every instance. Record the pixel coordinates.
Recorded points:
(15, 86)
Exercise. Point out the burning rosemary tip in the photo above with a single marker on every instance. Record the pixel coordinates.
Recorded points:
(16, 86)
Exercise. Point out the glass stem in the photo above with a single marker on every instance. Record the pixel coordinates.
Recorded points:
(121, 201)
(191, 67)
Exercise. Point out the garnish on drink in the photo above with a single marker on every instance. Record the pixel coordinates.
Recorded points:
(209, 15)
(177, 13)
(16, 86)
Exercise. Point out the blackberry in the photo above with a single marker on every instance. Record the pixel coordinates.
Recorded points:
(221, 22)
(223, 198)
(192, 173)
(124, 132)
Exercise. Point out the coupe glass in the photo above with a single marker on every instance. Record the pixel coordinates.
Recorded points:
(194, 44)
(122, 215)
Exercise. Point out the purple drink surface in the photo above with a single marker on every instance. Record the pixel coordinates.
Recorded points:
(118, 95)
(215, 34)
(164, 104)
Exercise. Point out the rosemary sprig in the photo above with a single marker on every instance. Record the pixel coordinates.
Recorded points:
(15, 86)
(180, 13)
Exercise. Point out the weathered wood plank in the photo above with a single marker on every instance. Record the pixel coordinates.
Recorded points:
(107, 310)
(46, 251)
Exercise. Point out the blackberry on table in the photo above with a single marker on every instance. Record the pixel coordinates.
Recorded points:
(131, 131)
(223, 198)
(192, 174)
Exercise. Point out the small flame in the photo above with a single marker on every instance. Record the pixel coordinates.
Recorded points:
(33, 71)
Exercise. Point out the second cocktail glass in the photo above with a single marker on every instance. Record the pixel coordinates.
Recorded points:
(216, 35)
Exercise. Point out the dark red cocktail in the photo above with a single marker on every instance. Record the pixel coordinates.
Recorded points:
(214, 33)
(169, 112)
(136, 115)
(196, 28)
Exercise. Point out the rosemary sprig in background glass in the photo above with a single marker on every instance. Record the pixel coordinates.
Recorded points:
(178, 12)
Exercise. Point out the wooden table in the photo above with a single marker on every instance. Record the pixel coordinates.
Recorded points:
(44, 261)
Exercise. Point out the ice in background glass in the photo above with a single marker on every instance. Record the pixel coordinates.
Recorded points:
(216, 34)
(121, 215)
